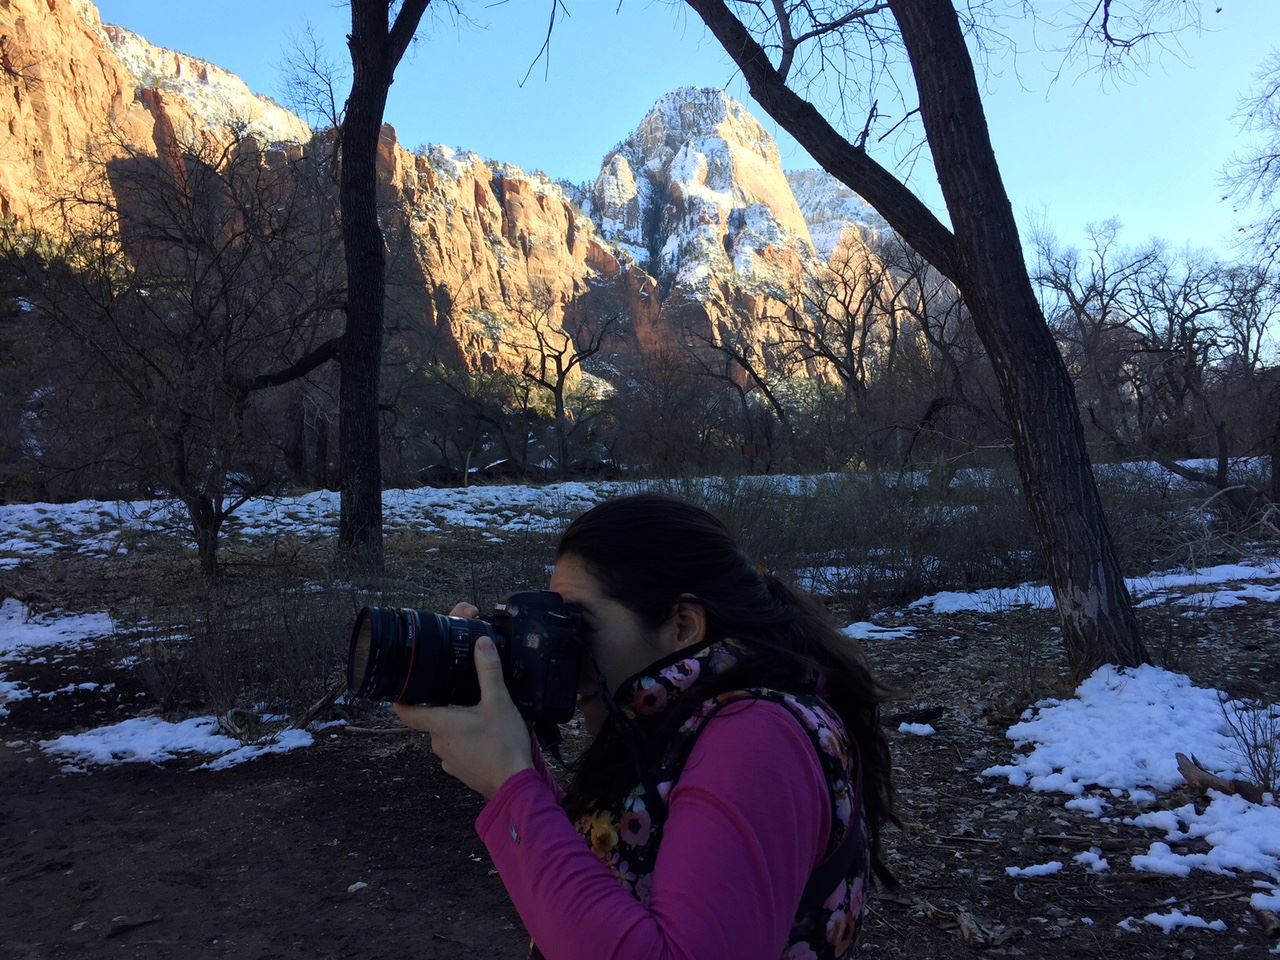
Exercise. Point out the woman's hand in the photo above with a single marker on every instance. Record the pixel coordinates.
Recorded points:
(485, 745)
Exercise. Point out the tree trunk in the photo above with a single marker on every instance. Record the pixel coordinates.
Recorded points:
(375, 52)
(1097, 616)
(562, 434)
(1275, 464)
(359, 447)
(983, 258)
(206, 524)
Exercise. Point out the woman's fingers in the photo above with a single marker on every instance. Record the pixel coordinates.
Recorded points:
(493, 688)
(482, 745)
(467, 610)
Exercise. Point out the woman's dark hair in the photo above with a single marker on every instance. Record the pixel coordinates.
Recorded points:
(648, 550)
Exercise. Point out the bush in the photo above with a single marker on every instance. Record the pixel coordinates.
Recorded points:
(278, 648)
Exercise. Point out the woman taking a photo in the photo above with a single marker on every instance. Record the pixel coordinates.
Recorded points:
(730, 803)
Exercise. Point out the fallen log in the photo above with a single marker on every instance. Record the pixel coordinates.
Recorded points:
(319, 707)
(1202, 781)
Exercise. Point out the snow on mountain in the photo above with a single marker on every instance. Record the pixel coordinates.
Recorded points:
(698, 190)
(831, 209)
(215, 97)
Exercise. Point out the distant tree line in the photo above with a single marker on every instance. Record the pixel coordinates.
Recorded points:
(174, 344)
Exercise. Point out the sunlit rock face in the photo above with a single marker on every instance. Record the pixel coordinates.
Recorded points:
(209, 94)
(834, 213)
(691, 232)
(61, 88)
(697, 196)
(698, 191)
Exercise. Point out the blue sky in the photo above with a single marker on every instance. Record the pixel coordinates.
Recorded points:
(1147, 149)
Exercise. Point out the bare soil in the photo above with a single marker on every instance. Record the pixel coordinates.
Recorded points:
(259, 861)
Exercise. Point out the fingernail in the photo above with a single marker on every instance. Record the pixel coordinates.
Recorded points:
(485, 645)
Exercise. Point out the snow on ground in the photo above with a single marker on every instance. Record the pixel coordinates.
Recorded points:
(1155, 588)
(917, 729)
(104, 527)
(1168, 922)
(97, 526)
(875, 631)
(152, 740)
(22, 634)
(1036, 870)
(1119, 735)
(26, 636)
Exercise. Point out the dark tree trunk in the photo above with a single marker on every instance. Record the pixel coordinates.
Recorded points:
(1098, 622)
(376, 49)
(562, 434)
(320, 465)
(206, 524)
(983, 258)
(1275, 465)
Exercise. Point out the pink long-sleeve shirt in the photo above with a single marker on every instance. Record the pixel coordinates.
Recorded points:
(749, 819)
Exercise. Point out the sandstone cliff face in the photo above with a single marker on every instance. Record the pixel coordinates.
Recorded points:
(690, 231)
(697, 195)
(61, 88)
(502, 255)
(209, 94)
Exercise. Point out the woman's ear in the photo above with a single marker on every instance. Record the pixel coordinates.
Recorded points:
(690, 620)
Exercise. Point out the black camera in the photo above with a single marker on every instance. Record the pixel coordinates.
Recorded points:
(416, 656)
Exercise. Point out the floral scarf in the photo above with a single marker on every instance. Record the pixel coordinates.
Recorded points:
(626, 834)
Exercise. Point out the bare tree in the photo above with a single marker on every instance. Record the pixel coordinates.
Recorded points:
(666, 418)
(1169, 351)
(737, 365)
(186, 283)
(783, 47)
(377, 43)
(1254, 176)
(554, 363)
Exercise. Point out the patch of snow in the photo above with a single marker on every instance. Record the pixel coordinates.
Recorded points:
(21, 631)
(1093, 860)
(917, 729)
(1176, 919)
(1156, 587)
(1121, 733)
(1094, 806)
(451, 163)
(280, 743)
(1037, 870)
(1242, 836)
(1161, 714)
(143, 740)
(11, 692)
(863, 630)
(152, 740)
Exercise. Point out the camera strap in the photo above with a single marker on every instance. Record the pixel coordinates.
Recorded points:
(549, 739)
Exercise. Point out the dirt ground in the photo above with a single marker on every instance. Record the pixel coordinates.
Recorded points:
(259, 861)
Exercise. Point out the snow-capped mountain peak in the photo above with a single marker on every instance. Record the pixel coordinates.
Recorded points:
(698, 189)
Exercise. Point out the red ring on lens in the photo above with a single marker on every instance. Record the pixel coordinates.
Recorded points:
(413, 649)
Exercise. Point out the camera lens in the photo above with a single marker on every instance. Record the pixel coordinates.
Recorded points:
(414, 656)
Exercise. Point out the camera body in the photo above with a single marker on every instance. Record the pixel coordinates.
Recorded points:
(416, 656)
